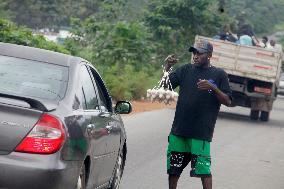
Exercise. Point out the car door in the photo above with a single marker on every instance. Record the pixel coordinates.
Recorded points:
(112, 124)
(96, 129)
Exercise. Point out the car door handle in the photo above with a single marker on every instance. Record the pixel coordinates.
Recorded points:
(109, 128)
(90, 128)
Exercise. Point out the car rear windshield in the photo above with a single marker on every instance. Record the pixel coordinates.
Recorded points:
(30, 78)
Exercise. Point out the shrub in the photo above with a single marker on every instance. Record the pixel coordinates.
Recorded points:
(11, 33)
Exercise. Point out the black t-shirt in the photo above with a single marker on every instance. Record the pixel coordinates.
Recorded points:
(197, 110)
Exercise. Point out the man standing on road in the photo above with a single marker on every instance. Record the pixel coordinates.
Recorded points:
(203, 88)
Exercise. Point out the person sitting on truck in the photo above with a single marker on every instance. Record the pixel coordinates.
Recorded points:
(271, 44)
(246, 29)
(264, 42)
(245, 40)
(226, 35)
(245, 34)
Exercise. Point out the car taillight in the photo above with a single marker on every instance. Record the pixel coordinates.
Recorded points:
(46, 137)
(262, 90)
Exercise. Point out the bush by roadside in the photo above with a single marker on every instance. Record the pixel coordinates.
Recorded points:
(11, 33)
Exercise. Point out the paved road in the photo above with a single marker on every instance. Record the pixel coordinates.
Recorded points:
(245, 154)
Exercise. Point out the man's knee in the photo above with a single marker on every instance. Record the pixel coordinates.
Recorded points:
(177, 161)
(200, 166)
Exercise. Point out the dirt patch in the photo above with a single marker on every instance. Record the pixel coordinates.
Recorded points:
(143, 106)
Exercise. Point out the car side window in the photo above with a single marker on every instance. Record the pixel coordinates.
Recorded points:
(89, 93)
(104, 99)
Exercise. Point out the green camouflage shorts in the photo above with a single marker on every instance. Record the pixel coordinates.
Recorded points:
(182, 150)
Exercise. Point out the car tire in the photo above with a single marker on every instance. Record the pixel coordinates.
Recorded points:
(264, 116)
(81, 182)
(254, 114)
(119, 167)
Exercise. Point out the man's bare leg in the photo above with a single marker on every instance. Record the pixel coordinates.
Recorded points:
(173, 180)
(207, 182)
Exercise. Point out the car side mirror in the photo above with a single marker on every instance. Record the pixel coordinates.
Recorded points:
(123, 107)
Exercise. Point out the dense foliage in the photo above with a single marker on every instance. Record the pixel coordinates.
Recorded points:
(121, 51)
(54, 14)
(127, 40)
(10, 33)
(262, 14)
(176, 22)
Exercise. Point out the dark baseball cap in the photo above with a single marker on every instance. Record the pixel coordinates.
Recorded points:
(202, 46)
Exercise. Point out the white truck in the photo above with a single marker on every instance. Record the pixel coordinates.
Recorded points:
(253, 74)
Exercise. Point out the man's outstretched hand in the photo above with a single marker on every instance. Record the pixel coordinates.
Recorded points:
(170, 61)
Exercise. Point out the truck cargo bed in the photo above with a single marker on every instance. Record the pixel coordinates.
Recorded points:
(246, 61)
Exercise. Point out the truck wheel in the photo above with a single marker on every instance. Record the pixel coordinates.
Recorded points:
(264, 116)
(254, 114)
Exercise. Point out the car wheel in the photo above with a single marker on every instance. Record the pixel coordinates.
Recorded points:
(118, 172)
(264, 116)
(254, 114)
(81, 182)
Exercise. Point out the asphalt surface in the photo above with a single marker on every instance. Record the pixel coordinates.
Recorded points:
(245, 154)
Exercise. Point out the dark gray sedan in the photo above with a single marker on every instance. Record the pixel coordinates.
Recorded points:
(58, 128)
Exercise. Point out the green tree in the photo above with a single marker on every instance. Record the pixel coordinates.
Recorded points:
(11, 33)
(121, 51)
(263, 15)
(4, 12)
(176, 22)
(33, 13)
(54, 14)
